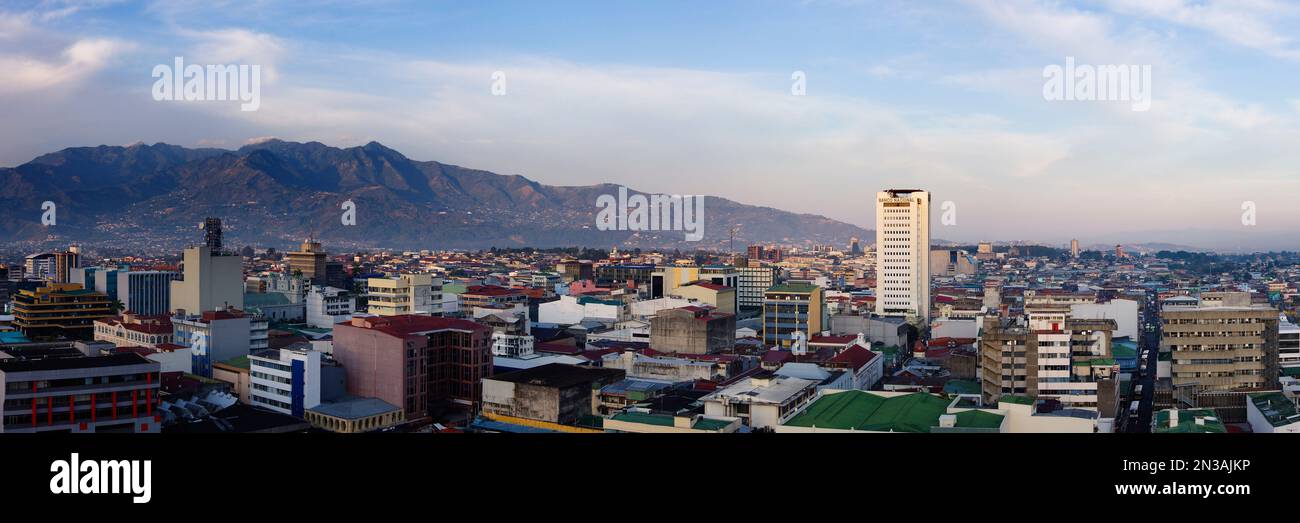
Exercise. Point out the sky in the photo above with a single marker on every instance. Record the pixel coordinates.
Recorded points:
(703, 98)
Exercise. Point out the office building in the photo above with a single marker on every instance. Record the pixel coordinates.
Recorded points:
(59, 311)
(790, 308)
(752, 283)
(903, 254)
(211, 280)
(292, 379)
(60, 389)
(217, 336)
(308, 261)
(39, 266)
(1221, 344)
(1288, 345)
(143, 292)
(413, 361)
(1074, 248)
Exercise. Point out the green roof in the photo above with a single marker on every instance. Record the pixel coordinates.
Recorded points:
(793, 287)
(979, 419)
(264, 299)
(1278, 409)
(1187, 421)
(1019, 400)
(859, 410)
(1165, 356)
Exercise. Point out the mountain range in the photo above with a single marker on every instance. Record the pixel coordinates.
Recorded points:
(276, 193)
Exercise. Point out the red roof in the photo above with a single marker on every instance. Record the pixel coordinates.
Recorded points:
(490, 290)
(709, 285)
(408, 324)
(856, 357)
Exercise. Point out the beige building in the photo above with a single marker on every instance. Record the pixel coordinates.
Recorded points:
(721, 297)
(402, 294)
(1221, 347)
(212, 281)
(310, 260)
(1046, 354)
(692, 330)
(903, 254)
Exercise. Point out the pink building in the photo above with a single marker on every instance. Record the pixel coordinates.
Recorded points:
(415, 361)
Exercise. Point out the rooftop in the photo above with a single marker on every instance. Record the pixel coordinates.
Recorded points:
(860, 410)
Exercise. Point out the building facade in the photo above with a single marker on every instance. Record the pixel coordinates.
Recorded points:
(903, 253)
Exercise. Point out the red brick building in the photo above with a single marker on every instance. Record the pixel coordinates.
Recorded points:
(417, 362)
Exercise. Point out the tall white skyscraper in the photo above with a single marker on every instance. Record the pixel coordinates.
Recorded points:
(903, 253)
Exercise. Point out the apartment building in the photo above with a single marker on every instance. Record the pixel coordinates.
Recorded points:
(404, 294)
(790, 308)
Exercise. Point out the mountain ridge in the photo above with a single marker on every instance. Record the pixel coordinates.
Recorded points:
(277, 192)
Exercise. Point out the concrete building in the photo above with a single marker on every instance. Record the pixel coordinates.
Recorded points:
(791, 308)
(952, 262)
(639, 421)
(216, 336)
(692, 330)
(553, 393)
(293, 379)
(59, 311)
(762, 401)
(413, 361)
(326, 306)
(309, 261)
(1124, 312)
(753, 282)
(903, 253)
(48, 390)
(1221, 347)
(404, 294)
(569, 310)
(212, 280)
(1049, 355)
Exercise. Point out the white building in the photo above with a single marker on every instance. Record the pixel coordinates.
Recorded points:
(217, 336)
(329, 305)
(288, 380)
(1272, 412)
(1288, 344)
(903, 253)
(1124, 312)
(762, 402)
(569, 310)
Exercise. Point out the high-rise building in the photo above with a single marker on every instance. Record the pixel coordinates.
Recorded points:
(1074, 248)
(309, 260)
(903, 253)
(790, 308)
(1049, 355)
(60, 310)
(212, 280)
(64, 262)
(1119, 252)
(755, 252)
(1221, 343)
(39, 266)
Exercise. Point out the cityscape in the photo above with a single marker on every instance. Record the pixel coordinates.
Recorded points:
(890, 335)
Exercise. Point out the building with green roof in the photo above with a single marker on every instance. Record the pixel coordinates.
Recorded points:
(1273, 412)
(863, 411)
(1187, 421)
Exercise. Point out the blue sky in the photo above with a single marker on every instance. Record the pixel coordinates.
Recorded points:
(695, 98)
